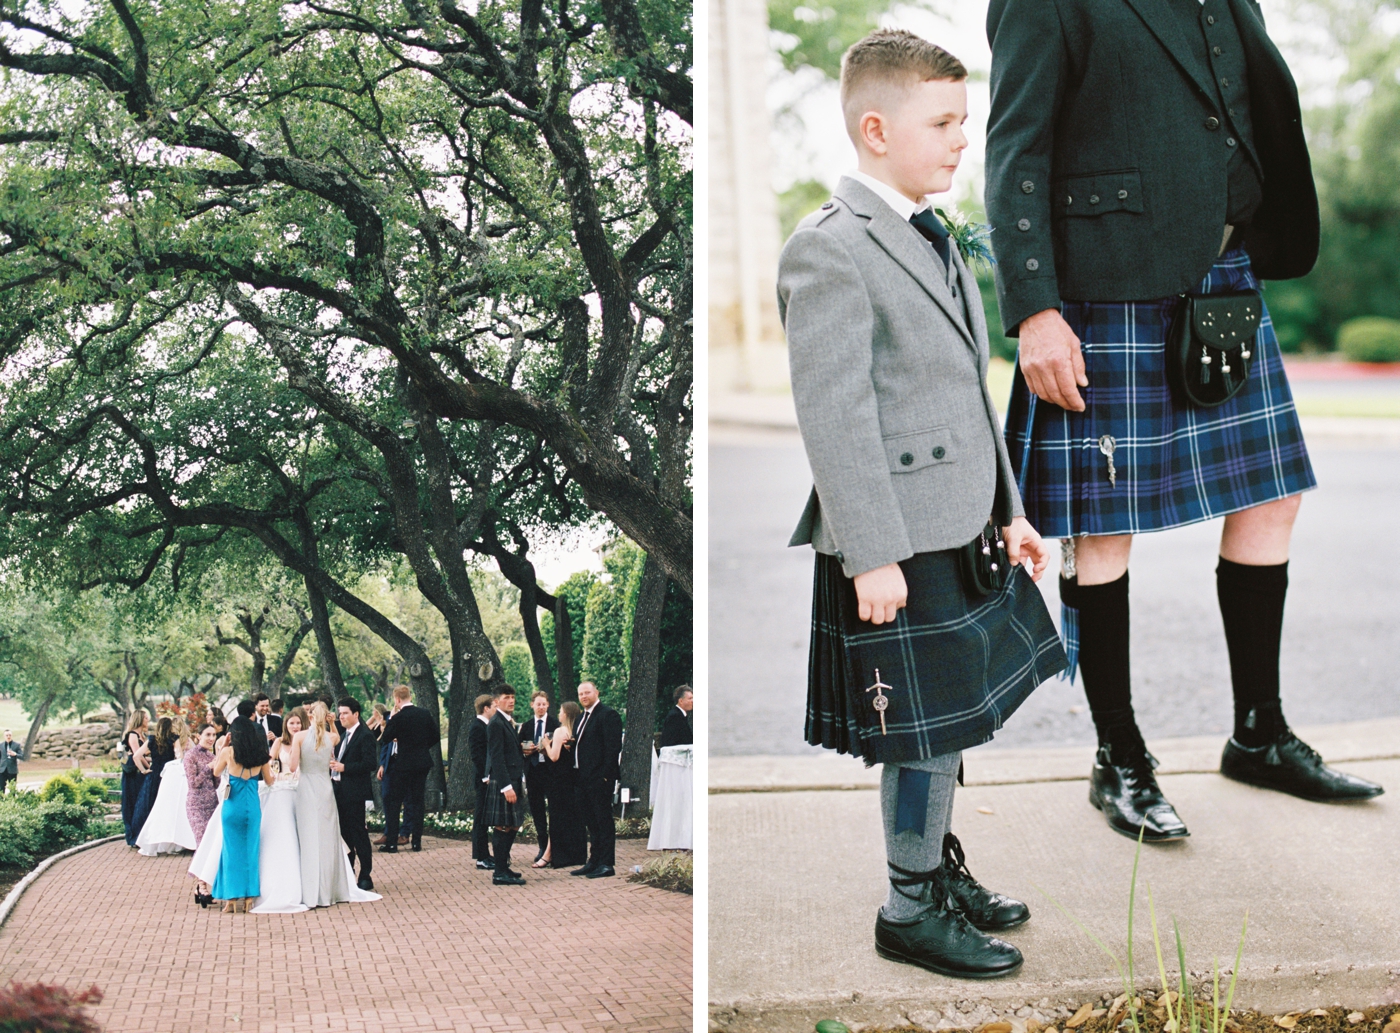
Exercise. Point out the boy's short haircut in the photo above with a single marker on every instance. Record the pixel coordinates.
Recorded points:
(885, 62)
(483, 701)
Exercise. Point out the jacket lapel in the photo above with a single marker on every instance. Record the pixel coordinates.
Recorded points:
(974, 311)
(902, 243)
(1167, 29)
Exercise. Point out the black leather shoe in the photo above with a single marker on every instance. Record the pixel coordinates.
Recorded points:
(1124, 788)
(603, 871)
(486, 865)
(1292, 766)
(366, 884)
(507, 878)
(587, 869)
(388, 848)
(988, 911)
(417, 848)
(942, 940)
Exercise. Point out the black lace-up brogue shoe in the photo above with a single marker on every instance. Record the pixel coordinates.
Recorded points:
(1292, 766)
(942, 940)
(1125, 790)
(988, 911)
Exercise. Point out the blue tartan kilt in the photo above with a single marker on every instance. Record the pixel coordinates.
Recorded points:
(955, 666)
(1176, 464)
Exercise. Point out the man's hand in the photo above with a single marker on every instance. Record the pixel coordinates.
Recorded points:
(380, 775)
(1024, 542)
(509, 794)
(1051, 360)
(881, 593)
(337, 767)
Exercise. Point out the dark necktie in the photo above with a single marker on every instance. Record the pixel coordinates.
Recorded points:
(931, 227)
(539, 734)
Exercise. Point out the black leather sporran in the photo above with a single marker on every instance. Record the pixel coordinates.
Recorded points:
(983, 564)
(1210, 345)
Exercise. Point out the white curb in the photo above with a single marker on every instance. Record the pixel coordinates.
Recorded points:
(12, 898)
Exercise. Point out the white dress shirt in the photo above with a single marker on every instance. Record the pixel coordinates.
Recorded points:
(903, 207)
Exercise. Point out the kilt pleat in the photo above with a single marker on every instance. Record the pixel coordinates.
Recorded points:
(955, 666)
(499, 810)
(1176, 464)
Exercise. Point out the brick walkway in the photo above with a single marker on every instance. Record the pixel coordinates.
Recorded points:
(444, 949)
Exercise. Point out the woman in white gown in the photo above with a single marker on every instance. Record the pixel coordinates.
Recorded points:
(279, 850)
(167, 829)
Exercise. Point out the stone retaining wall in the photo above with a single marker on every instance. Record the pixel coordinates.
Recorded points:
(98, 739)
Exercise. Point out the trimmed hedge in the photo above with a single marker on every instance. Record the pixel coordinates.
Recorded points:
(1370, 339)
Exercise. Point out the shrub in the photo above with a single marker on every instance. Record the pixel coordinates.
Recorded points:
(1370, 339)
(41, 1008)
(72, 787)
(32, 828)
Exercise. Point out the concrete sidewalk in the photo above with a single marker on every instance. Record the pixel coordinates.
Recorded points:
(797, 874)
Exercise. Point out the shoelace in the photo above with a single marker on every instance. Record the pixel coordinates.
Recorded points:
(954, 858)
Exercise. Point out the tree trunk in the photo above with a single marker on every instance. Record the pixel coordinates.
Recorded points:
(530, 618)
(459, 711)
(564, 651)
(40, 716)
(325, 641)
(274, 685)
(641, 682)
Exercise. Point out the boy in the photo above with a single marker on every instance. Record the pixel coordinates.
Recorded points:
(910, 662)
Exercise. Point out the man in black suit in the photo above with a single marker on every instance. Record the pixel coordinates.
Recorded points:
(355, 760)
(414, 732)
(676, 730)
(537, 765)
(597, 747)
(476, 749)
(263, 717)
(274, 719)
(505, 774)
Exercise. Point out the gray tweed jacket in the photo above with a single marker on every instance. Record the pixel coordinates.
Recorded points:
(888, 352)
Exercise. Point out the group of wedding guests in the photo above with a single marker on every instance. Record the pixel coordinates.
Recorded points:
(276, 818)
(564, 766)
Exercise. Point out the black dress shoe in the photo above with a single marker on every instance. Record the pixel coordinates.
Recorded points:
(507, 878)
(1123, 787)
(388, 848)
(587, 869)
(603, 871)
(1292, 766)
(417, 848)
(942, 940)
(988, 911)
(486, 865)
(366, 884)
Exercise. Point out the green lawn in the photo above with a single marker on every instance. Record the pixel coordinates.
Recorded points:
(13, 717)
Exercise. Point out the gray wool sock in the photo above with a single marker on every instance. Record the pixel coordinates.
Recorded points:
(908, 849)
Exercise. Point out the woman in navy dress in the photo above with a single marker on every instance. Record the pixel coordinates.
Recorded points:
(162, 751)
(246, 759)
(133, 771)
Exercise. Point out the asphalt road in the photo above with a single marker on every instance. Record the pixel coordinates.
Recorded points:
(1341, 629)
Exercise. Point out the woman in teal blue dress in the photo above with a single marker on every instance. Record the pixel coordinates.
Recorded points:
(246, 759)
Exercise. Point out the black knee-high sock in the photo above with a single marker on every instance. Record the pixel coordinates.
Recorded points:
(1251, 605)
(501, 842)
(1103, 658)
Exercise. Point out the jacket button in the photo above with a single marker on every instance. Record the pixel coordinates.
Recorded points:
(828, 204)
(907, 459)
(1230, 141)
(1210, 19)
(1023, 225)
(1122, 195)
(840, 556)
(1093, 198)
(939, 452)
(1032, 264)
(1028, 187)
(1212, 123)
(1216, 51)
(1069, 200)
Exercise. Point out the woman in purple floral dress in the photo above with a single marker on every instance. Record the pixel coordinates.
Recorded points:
(203, 795)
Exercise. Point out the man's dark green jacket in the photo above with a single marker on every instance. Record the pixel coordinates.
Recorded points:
(1106, 99)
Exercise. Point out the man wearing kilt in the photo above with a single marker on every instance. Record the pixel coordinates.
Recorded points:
(915, 655)
(505, 788)
(1139, 152)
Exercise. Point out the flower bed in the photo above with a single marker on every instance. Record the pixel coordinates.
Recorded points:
(458, 825)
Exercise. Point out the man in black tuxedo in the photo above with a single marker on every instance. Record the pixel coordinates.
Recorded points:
(263, 717)
(274, 719)
(676, 730)
(597, 747)
(355, 760)
(505, 787)
(476, 749)
(414, 732)
(537, 765)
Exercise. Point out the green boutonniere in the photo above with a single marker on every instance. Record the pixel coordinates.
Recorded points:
(972, 238)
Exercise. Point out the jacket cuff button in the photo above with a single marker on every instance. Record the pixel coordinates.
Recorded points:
(1023, 225)
(1032, 264)
(939, 452)
(907, 459)
(1028, 187)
